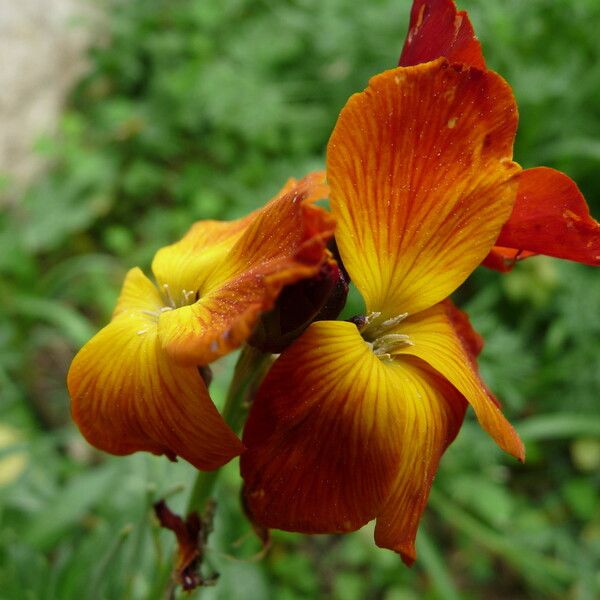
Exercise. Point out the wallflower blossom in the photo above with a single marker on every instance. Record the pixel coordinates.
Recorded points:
(353, 418)
(136, 385)
(550, 215)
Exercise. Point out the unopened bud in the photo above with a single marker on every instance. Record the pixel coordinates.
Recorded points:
(321, 297)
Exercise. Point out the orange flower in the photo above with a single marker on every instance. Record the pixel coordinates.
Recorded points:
(352, 420)
(135, 385)
(550, 215)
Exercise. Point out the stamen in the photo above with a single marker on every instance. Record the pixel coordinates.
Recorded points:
(365, 323)
(391, 342)
(187, 296)
(383, 343)
(373, 330)
(394, 320)
(370, 318)
(168, 296)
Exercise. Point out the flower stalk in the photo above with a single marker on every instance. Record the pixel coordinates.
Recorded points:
(251, 367)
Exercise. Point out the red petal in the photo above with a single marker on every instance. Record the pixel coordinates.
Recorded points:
(322, 454)
(437, 29)
(550, 217)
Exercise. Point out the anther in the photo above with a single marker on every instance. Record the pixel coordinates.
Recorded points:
(394, 320)
(187, 296)
(168, 296)
(386, 344)
(372, 329)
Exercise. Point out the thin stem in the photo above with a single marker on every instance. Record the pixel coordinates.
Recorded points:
(249, 372)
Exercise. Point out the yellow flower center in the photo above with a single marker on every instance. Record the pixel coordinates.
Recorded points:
(382, 335)
(176, 300)
(172, 300)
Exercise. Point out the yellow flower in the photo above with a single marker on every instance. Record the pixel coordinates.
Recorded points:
(136, 384)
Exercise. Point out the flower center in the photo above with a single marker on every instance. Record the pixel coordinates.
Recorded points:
(172, 300)
(382, 335)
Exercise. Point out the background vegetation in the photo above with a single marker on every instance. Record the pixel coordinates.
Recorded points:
(194, 109)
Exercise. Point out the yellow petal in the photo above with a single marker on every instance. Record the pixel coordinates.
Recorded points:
(436, 341)
(138, 294)
(436, 412)
(421, 178)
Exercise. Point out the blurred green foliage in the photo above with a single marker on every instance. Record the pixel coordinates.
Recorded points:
(195, 110)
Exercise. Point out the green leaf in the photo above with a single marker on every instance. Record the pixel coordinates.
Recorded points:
(71, 323)
(433, 563)
(558, 425)
(70, 505)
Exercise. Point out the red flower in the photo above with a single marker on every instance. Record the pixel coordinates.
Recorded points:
(352, 419)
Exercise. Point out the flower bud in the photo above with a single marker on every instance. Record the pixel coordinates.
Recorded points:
(321, 297)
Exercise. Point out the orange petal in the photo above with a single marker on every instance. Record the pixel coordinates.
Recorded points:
(331, 429)
(437, 30)
(321, 456)
(436, 342)
(470, 340)
(127, 395)
(421, 179)
(550, 217)
(284, 243)
(189, 263)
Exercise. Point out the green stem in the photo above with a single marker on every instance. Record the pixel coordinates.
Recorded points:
(249, 371)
